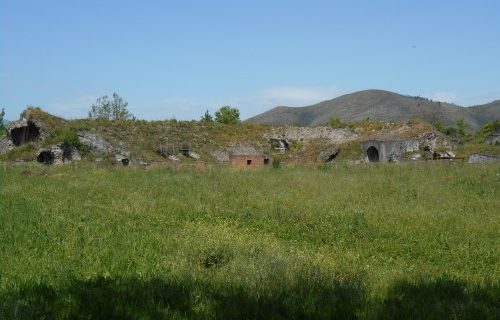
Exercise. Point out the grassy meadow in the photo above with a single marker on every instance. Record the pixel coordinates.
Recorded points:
(369, 241)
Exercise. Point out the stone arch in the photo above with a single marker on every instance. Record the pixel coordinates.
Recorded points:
(45, 157)
(373, 154)
(24, 133)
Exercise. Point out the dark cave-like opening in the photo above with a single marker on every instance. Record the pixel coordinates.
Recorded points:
(24, 134)
(372, 153)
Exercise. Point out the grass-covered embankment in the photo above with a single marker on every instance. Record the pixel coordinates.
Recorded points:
(372, 241)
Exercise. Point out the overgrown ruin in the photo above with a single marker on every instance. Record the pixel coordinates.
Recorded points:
(23, 131)
(45, 157)
(58, 154)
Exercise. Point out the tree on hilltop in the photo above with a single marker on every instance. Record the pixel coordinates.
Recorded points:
(115, 109)
(227, 115)
(207, 117)
(2, 114)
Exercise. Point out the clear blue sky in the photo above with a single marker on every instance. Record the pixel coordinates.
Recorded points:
(178, 58)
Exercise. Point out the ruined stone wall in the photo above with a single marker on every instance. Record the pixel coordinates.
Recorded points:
(307, 133)
(480, 158)
(394, 150)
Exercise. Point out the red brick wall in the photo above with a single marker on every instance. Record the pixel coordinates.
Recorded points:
(242, 161)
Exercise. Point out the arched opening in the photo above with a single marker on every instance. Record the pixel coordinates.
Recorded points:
(45, 157)
(372, 153)
(24, 134)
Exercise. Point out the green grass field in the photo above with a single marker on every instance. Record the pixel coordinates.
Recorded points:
(369, 241)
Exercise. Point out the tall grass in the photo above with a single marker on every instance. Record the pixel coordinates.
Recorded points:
(370, 241)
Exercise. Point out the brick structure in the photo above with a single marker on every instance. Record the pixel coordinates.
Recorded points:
(248, 161)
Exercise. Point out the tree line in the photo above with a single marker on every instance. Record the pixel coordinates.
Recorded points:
(116, 108)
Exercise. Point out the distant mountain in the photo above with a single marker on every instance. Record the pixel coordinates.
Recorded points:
(379, 105)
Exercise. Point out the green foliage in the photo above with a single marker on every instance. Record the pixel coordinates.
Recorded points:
(451, 131)
(276, 162)
(115, 109)
(439, 126)
(67, 136)
(207, 117)
(460, 131)
(335, 122)
(2, 114)
(368, 126)
(227, 115)
(369, 242)
(488, 129)
(462, 127)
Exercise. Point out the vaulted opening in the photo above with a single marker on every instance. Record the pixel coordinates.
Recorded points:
(372, 154)
(45, 157)
(24, 134)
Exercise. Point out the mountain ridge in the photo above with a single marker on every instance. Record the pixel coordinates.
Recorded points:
(379, 105)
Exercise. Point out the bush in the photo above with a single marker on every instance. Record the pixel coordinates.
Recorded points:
(276, 162)
(488, 129)
(438, 125)
(66, 136)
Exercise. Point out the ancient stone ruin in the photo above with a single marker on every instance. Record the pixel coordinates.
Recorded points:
(58, 154)
(19, 133)
(279, 145)
(493, 139)
(387, 150)
(23, 131)
(481, 158)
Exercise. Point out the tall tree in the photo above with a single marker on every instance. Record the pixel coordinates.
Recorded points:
(227, 115)
(462, 127)
(207, 117)
(2, 114)
(115, 109)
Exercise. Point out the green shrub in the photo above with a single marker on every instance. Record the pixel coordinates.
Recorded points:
(276, 162)
(438, 125)
(66, 136)
(335, 122)
(488, 129)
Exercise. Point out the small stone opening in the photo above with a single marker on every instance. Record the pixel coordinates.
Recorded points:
(45, 157)
(125, 162)
(281, 145)
(249, 162)
(332, 156)
(24, 134)
(372, 154)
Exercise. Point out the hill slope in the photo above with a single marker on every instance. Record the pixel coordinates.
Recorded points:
(379, 105)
